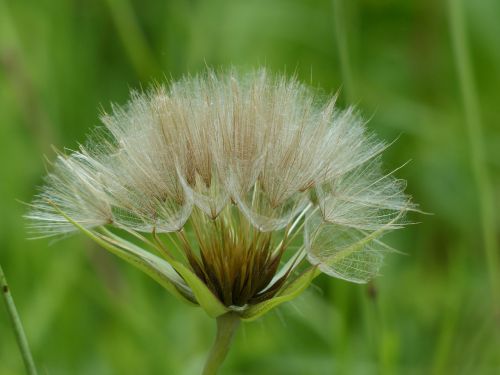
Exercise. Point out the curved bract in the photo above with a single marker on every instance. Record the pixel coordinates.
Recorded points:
(219, 175)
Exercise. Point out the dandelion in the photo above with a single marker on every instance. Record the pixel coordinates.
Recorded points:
(232, 191)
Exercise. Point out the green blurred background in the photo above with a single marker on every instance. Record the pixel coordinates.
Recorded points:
(426, 72)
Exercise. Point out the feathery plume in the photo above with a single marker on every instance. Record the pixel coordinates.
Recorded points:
(216, 176)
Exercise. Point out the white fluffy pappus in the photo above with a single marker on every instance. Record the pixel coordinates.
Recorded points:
(231, 169)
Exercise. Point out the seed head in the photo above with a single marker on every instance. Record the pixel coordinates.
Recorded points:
(239, 182)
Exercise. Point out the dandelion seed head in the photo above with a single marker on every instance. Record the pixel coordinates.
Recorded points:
(231, 166)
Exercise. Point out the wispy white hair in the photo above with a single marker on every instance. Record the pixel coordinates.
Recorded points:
(264, 144)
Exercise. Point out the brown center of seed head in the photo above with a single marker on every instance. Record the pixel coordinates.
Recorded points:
(235, 260)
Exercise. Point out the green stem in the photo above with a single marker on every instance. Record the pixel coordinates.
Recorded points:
(341, 37)
(476, 144)
(226, 327)
(134, 40)
(22, 342)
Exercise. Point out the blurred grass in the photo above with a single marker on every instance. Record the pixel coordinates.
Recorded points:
(85, 312)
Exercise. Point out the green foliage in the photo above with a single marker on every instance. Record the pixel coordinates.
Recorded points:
(85, 311)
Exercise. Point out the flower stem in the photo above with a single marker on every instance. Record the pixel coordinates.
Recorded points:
(341, 36)
(22, 342)
(133, 38)
(477, 148)
(226, 327)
